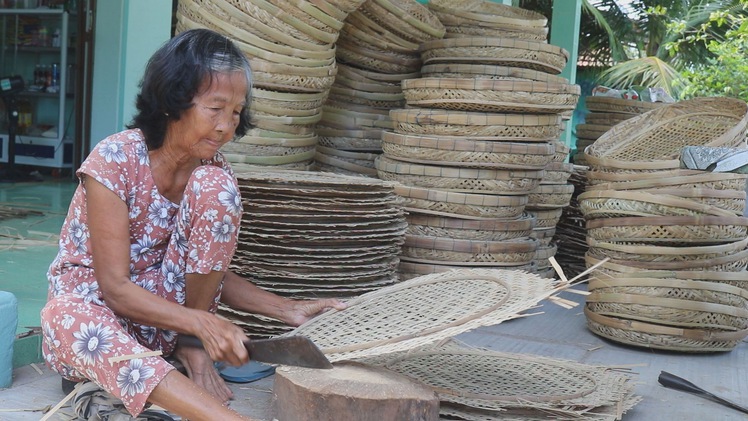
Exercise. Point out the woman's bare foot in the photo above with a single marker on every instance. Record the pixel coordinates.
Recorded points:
(201, 370)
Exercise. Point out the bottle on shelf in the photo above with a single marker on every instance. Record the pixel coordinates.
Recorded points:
(24, 116)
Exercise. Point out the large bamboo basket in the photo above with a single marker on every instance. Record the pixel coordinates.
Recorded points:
(287, 78)
(462, 28)
(373, 58)
(365, 31)
(384, 100)
(461, 152)
(557, 173)
(669, 230)
(460, 205)
(562, 151)
(655, 139)
(466, 180)
(591, 131)
(435, 250)
(409, 20)
(657, 336)
(550, 196)
(350, 140)
(730, 200)
(598, 173)
(618, 203)
(489, 18)
(338, 116)
(269, 146)
(344, 162)
(487, 71)
(354, 77)
(601, 104)
(704, 180)
(487, 95)
(544, 235)
(468, 229)
(292, 104)
(545, 218)
(497, 51)
(479, 126)
(291, 15)
(606, 119)
(410, 270)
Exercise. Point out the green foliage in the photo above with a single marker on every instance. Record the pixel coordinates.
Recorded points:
(724, 75)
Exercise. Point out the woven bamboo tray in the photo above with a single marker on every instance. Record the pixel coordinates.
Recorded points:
(293, 104)
(550, 196)
(730, 200)
(672, 302)
(658, 136)
(735, 262)
(656, 336)
(485, 71)
(557, 173)
(619, 203)
(299, 19)
(352, 162)
(562, 151)
(705, 180)
(490, 95)
(544, 235)
(286, 78)
(466, 180)
(457, 27)
(253, 146)
(543, 253)
(461, 152)
(591, 131)
(546, 218)
(489, 12)
(479, 126)
(435, 250)
(669, 230)
(374, 59)
(410, 270)
(630, 107)
(606, 119)
(370, 99)
(350, 140)
(497, 51)
(598, 173)
(363, 30)
(461, 205)
(409, 20)
(339, 116)
(468, 229)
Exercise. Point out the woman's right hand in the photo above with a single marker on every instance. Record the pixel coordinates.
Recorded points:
(222, 340)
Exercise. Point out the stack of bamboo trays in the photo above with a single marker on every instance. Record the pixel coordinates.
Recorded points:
(308, 234)
(377, 49)
(291, 49)
(604, 113)
(674, 228)
(474, 142)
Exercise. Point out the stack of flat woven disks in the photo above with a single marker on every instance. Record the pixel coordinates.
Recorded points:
(291, 49)
(377, 49)
(477, 144)
(312, 234)
(648, 216)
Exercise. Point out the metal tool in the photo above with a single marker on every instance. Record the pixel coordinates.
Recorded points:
(674, 382)
(285, 350)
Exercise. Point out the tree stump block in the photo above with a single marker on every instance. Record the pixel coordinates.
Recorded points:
(351, 392)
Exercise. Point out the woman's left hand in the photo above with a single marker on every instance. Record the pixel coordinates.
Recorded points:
(301, 311)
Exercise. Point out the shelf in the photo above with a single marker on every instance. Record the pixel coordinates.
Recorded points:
(37, 11)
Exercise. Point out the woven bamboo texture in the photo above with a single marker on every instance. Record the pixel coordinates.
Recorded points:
(461, 205)
(657, 137)
(600, 174)
(483, 95)
(423, 310)
(704, 180)
(470, 18)
(618, 203)
(557, 173)
(562, 151)
(436, 250)
(466, 180)
(350, 140)
(462, 152)
(468, 229)
(550, 196)
(486, 71)
(409, 20)
(496, 51)
(669, 230)
(546, 218)
(479, 126)
(601, 104)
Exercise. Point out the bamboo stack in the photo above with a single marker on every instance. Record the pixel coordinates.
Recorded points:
(675, 239)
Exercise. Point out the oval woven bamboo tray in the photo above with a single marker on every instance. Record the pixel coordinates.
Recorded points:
(498, 51)
(736, 262)
(291, 158)
(550, 196)
(669, 230)
(350, 140)
(410, 270)
(619, 203)
(562, 151)
(292, 104)
(542, 254)
(468, 229)
(293, 17)
(460, 152)
(337, 116)
(490, 95)
(248, 147)
(600, 174)
(649, 253)
(490, 12)
(658, 136)
(705, 180)
(546, 218)
(457, 27)
(630, 107)
(730, 200)
(363, 30)
(591, 131)
(282, 77)
(479, 126)
(410, 20)
(460, 205)
(375, 82)
(557, 173)
(672, 302)
(486, 71)
(435, 250)
(377, 60)
(544, 235)
(655, 336)
(466, 180)
(606, 119)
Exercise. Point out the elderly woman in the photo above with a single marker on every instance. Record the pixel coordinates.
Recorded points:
(145, 248)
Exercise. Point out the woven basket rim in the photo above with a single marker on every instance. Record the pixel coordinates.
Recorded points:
(460, 143)
(401, 167)
(495, 13)
(613, 176)
(460, 198)
(530, 86)
(661, 199)
(666, 221)
(359, 134)
(495, 42)
(437, 116)
(295, 22)
(524, 222)
(667, 181)
(635, 272)
(521, 245)
(278, 141)
(367, 30)
(491, 70)
(668, 283)
(430, 24)
(736, 246)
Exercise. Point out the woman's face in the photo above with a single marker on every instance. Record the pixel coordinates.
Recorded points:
(212, 120)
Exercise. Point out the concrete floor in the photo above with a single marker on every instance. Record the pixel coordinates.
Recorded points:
(557, 332)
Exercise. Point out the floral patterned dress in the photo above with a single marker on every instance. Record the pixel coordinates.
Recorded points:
(167, 240)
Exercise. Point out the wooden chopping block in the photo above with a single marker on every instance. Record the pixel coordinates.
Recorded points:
(351, 392)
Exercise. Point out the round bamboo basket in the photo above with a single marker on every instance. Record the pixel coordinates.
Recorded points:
(267, 160)
(293, 104)
(435, 250)
(320, 15)
(606, 119)
(338, 165)
(599, 174)
(363, 30)
(466, 180)
(491, 13)
(601, 104)
(461, 152)
(490, 95)
(544, 235)
(543, 254)
(459, 28)
(460, 205)
(619, 203)
(591, 131)
(373, 59)
(729, 200)
(409, 20)
(337, 116)
(657, 336)
(360, 162)
(350, 79)
(550, 196)
(562, 151)
(671, 302)
(267, 147)
(286, 78)
(546, 218)
(705, 180)
(669, 230)
(409, 270)
(557, 173)
(479, 126)
(654, 140)
(351, 140)
(343, 94)
(497, 51)
(469, 229)
(298, 19)
(368, 76)
(735, 262)
(486, 71)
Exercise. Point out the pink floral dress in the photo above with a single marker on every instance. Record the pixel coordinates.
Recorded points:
(167, 240)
